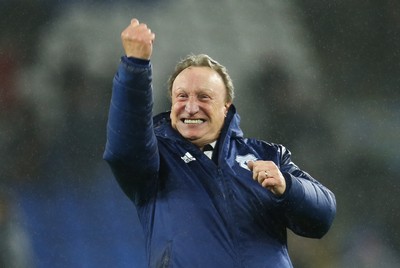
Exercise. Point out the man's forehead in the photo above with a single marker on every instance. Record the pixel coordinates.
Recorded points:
(199, 76)
(196, 90)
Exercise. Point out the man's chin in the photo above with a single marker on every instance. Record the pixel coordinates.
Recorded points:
(193, 138)
(192, 134)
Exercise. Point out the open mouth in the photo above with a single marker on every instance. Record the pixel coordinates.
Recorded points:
(193, 121)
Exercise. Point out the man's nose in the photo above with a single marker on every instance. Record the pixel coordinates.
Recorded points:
(191, 106)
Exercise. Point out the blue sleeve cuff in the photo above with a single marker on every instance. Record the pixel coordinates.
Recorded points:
(135, 61)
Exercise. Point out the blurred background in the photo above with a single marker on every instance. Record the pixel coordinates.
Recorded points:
(321, 77)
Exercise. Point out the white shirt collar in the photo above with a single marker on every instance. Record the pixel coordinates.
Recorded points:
(210, 152)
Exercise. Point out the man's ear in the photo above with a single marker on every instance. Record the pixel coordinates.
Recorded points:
(227, 105)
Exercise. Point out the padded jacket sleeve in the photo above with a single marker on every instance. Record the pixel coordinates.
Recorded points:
(131, 148)
(309, 206)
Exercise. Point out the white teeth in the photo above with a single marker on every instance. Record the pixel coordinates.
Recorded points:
(193, 121)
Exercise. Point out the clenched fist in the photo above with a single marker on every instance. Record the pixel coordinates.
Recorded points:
(268, 175)
(137, 40)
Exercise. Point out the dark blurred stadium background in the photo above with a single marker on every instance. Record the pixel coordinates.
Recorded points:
(321, 77)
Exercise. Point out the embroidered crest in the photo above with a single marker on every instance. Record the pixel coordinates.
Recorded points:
(243, 159)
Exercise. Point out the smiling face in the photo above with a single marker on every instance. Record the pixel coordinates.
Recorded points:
(199, 105)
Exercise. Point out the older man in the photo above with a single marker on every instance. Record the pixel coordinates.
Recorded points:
(205, 195)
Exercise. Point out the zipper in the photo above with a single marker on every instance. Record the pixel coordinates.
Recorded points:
(229, 207)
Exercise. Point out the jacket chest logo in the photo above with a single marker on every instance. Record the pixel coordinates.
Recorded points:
(188, 158)
(243, 159)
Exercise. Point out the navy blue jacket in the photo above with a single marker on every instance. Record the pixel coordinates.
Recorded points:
(196, 212)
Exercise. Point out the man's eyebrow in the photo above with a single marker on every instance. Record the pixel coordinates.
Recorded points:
(178, 89)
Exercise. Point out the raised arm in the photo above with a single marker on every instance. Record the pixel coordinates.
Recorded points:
(131, 148)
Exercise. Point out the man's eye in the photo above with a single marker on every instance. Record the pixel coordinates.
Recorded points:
(181, 96)
(204, 97)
